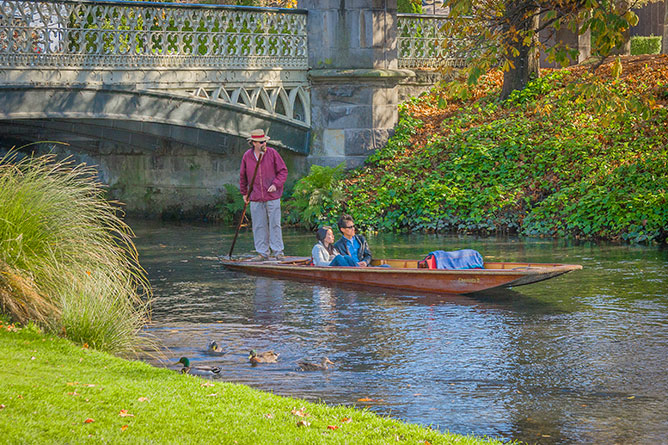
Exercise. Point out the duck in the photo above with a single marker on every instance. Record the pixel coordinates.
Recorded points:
(187, 369)
(262, 357)
(309, 366)
(214, 348)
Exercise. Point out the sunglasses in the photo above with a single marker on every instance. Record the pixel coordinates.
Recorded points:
(348, 227)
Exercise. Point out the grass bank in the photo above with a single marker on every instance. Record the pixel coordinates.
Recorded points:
(56, 392)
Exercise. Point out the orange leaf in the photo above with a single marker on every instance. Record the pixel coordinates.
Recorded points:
(89, 420)
(125, 413)
(346, 420)
(365, 399)
(85, 346)
(303, 423)
(299, 412)
(142, 399)
(124, 427)
(332, 427)
(2, 406)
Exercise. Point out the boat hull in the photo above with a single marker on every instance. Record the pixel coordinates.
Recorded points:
(402, 275)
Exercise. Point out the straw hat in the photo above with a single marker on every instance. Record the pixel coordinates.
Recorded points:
(258, 136)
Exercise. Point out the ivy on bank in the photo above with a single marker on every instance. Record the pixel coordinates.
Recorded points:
(568, 156)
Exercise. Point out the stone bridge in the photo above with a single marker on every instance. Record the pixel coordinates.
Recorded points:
(162, 95)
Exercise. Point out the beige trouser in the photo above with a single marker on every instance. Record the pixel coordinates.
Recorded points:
(267, 234)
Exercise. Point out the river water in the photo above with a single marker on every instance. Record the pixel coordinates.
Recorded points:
(582, 358)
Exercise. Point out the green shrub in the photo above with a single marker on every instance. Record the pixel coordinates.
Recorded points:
(645, 45)
(67, 244)
(315, 198)
(230, 208)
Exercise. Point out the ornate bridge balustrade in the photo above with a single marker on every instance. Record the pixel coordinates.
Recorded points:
(420, 43)
(252, 59)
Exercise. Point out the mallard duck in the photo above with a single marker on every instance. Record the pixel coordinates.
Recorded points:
(262, 357)
(187, 369)
(214, 349)
(309, 366)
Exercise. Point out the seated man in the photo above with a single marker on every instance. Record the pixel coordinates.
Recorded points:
(352, 244)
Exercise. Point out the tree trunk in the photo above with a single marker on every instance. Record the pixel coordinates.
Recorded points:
(664, 46)
(526, 63)
(625, 48)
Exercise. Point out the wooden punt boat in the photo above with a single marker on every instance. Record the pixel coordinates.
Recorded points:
(405, 275)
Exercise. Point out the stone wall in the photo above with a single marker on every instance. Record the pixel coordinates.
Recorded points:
(172, 180)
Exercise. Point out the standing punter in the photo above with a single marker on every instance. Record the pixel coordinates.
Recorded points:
(265, 197)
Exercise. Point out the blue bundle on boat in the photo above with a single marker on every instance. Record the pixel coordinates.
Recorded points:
(457, 259)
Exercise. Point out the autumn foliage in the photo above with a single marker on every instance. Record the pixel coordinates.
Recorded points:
(576, 153)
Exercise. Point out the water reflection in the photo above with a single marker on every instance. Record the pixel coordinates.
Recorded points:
(580, 358)
(268, 302)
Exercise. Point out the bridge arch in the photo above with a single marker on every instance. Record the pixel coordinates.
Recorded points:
(192, 120)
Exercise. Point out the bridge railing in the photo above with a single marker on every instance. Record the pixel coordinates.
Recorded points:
(147, 34)
(420, 43)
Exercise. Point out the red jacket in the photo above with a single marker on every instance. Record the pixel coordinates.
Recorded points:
(272, 170)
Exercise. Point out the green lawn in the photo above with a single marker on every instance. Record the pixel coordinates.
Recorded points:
(55, 392)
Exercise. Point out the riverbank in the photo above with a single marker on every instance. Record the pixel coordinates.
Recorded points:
(56, 392)
(579, 153)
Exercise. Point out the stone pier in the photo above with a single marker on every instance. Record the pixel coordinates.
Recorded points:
(354, 78)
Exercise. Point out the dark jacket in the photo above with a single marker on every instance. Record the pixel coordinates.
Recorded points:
(363, 253)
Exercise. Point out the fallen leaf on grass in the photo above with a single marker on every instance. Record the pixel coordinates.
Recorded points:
(2, 406)
(332, 427)
(84, 346)
(142, 399)
(269, 416)
(299, 412)
(631, 398)
(73, 393)
(212, 395)
(125, 413)
(72, 383)
(346, 420)
(19, 396)
(124, 427)
(89, 420)
(303, 423)
(207, 384)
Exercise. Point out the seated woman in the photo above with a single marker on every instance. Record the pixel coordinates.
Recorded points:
(324, 253)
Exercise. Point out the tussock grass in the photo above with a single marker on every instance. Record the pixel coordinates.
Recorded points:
(19, 297)
(67, 260)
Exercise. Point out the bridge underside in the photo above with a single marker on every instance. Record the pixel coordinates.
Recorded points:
(139, 119)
